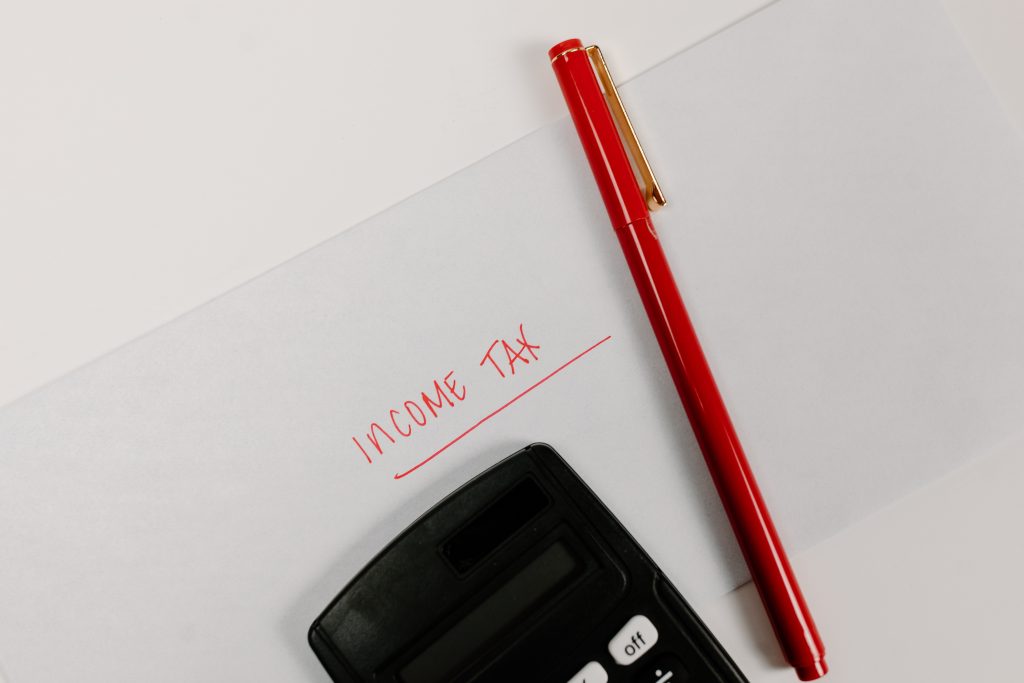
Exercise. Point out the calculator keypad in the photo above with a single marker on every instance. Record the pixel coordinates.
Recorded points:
(591, 673)
(633, 640)
(664, 669)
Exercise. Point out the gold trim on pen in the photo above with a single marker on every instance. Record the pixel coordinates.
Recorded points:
(652, 191)
(565, 52)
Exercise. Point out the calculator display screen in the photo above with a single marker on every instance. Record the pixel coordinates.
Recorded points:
(495, 525)
(446, 655)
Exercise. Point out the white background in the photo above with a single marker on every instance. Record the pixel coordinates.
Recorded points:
(129, 194)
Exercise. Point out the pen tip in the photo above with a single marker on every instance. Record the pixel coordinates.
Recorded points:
(812, 672)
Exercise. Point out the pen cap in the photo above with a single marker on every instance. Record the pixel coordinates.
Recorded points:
(598, 133)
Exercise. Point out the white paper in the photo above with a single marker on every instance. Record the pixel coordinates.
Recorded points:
(845, 224)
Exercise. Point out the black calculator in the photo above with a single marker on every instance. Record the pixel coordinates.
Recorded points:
(521, 576)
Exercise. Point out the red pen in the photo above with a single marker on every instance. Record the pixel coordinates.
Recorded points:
(595, 109)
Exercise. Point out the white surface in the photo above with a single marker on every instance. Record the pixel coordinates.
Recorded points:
(150, 151)
(119, 470)
(64, 296)
(994, 33)
(928, 589)
(156, 154)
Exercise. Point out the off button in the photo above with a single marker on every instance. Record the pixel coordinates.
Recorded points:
(633, 640)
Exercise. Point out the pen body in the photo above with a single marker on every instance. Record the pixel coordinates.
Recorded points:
(726, 461)
(701, 399)
(598, 133)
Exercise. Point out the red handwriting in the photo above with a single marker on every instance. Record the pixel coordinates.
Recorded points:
(446, 392)
(500, 408)
(512, 354)
(403, 420)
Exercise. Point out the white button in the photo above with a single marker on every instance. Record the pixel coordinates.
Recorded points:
(591, 673)
(633, 640)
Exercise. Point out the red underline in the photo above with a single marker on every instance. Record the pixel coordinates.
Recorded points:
(487, 417)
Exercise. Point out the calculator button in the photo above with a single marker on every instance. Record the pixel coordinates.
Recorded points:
(591, 673)
(664, 669)
(633, 640)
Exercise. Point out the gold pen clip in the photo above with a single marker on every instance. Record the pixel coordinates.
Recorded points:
(652, 191)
